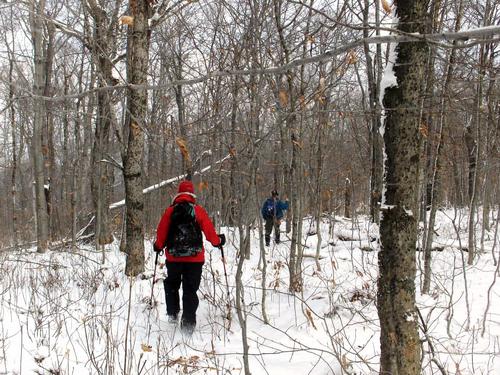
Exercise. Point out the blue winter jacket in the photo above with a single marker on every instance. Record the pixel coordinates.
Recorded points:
(273, 208)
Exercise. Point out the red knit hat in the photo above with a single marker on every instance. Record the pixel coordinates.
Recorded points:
(186, 187)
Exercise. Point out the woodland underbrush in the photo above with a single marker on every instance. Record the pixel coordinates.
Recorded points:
(66, 313)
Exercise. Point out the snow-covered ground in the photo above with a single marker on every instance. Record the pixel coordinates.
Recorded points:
(65, 313)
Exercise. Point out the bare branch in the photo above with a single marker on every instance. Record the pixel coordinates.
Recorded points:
(473, 36)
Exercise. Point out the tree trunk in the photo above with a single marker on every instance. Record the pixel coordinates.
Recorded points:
(13, 180)
(103, 49)
(137, 69)
(48, 147)
(373, 70)
(435, 191)
(399, 339)
(473, 140)
(490, 147)
(42, 218)
(244, 232)
(347, 198)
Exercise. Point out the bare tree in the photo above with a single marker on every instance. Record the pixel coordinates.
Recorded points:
(137, 69)
(399, 339)
(37, 15)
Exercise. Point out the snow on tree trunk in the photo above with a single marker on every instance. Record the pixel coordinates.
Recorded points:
(399, 339)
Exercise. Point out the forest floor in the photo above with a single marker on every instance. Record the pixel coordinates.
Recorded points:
(66, 313)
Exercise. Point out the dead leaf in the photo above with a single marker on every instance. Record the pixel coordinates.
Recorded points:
(424, 130)
(320, 98)
(183, 147)
(135, 129)
(146, 348)
(127, 20)
(352, 58)
(202, 185)
(386, 6)
(232, 151)
(283, 96)
(345, 362)
(302, 100)
(310, 318)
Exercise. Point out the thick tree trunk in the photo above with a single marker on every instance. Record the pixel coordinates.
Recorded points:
(42, 217)
(137, 107)
(399, 339)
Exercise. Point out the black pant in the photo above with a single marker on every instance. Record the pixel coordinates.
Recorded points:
(189, 274)
(270, 223)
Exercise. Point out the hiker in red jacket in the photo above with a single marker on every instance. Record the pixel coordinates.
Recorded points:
(179, 232)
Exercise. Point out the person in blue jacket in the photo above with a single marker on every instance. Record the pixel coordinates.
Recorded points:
(272, 212)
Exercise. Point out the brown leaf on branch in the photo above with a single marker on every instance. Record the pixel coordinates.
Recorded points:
(135, 129)
(297, 143)
(184, 149)
(386, 6)
(302, 100)
(310, 318)
(283, 96)
(202, 185)
(352, 58)
(127, 20)
(232, 151)
(146, 348)
(424, 130)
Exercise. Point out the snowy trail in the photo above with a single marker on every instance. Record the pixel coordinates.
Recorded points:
(63, 312)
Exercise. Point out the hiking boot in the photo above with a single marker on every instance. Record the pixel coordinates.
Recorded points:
(172, 319)
(267, 243)
(277, 240)
(187, 327)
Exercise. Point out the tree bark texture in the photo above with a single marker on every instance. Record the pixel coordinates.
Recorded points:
(399, 339)
(137, 107)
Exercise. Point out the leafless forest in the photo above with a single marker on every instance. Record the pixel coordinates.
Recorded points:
(106, 105)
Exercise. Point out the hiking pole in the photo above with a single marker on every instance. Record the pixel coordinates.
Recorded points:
(225, 272)
(154, 277)
(147, 347)
(228, 316)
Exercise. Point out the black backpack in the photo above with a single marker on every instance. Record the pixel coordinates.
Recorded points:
(268, 211)
(184, 235)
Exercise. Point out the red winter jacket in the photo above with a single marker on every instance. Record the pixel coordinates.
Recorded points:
(203, 220)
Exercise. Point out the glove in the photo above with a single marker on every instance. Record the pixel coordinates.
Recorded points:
(222, 238)
(157, 249)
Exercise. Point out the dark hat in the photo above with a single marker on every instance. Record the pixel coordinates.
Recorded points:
(274, 193)
(186, 187)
